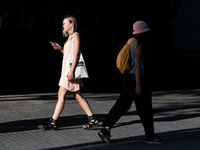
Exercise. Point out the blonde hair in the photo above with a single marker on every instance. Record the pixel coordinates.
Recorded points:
(73, 29)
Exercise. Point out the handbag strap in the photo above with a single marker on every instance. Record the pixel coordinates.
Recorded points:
(73, 42)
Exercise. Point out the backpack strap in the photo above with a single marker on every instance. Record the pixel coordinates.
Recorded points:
(135, 40)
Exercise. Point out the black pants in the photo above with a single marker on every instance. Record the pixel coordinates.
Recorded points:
(143, 103)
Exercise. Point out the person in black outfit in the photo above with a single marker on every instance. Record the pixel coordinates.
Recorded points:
(135, 87)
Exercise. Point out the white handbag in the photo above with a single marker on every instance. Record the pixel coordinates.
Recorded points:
(80, 70)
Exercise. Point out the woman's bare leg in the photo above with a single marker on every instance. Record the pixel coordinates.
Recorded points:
(93, 122)
(60, 103)
(82, 101)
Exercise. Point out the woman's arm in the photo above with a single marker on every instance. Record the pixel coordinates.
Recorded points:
(138, 89)
(76, 51)
(57, 47)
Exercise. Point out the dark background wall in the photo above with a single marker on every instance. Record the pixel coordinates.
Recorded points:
(28, 63)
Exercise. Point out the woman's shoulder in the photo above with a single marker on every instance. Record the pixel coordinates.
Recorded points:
(130, 40)
(76, 34)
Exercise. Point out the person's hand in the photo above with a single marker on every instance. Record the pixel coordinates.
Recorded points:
(57, 47)
(70, 75)
(138, 90)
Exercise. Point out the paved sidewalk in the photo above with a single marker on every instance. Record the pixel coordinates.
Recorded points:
(176, 114)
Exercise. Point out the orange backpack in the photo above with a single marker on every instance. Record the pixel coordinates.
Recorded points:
(124, 58)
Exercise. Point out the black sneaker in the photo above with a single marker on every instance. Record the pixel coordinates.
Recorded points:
(154, 140)
(105, 135)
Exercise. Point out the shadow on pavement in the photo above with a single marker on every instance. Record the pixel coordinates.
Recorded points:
(181, 139)
(172, 111)
(63, 122)
(77, 121)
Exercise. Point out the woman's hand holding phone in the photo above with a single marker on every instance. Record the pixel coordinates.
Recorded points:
(56, 46)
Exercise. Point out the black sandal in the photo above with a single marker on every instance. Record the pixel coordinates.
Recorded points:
(49, 125)
(93, 122)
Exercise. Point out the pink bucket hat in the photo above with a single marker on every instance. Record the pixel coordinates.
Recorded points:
(140, 27)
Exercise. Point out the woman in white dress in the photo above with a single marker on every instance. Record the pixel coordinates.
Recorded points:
(67, 81)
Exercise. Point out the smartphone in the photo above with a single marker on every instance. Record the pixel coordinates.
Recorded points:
(54, 44)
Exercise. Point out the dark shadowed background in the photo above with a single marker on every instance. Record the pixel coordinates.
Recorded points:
(28, 63)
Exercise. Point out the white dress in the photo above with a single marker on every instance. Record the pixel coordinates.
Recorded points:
(69, 85)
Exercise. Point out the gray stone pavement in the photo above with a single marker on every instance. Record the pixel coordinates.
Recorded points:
(176, 115)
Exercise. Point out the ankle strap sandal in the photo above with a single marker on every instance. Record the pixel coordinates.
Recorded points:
(51, 124)
(93, 122)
